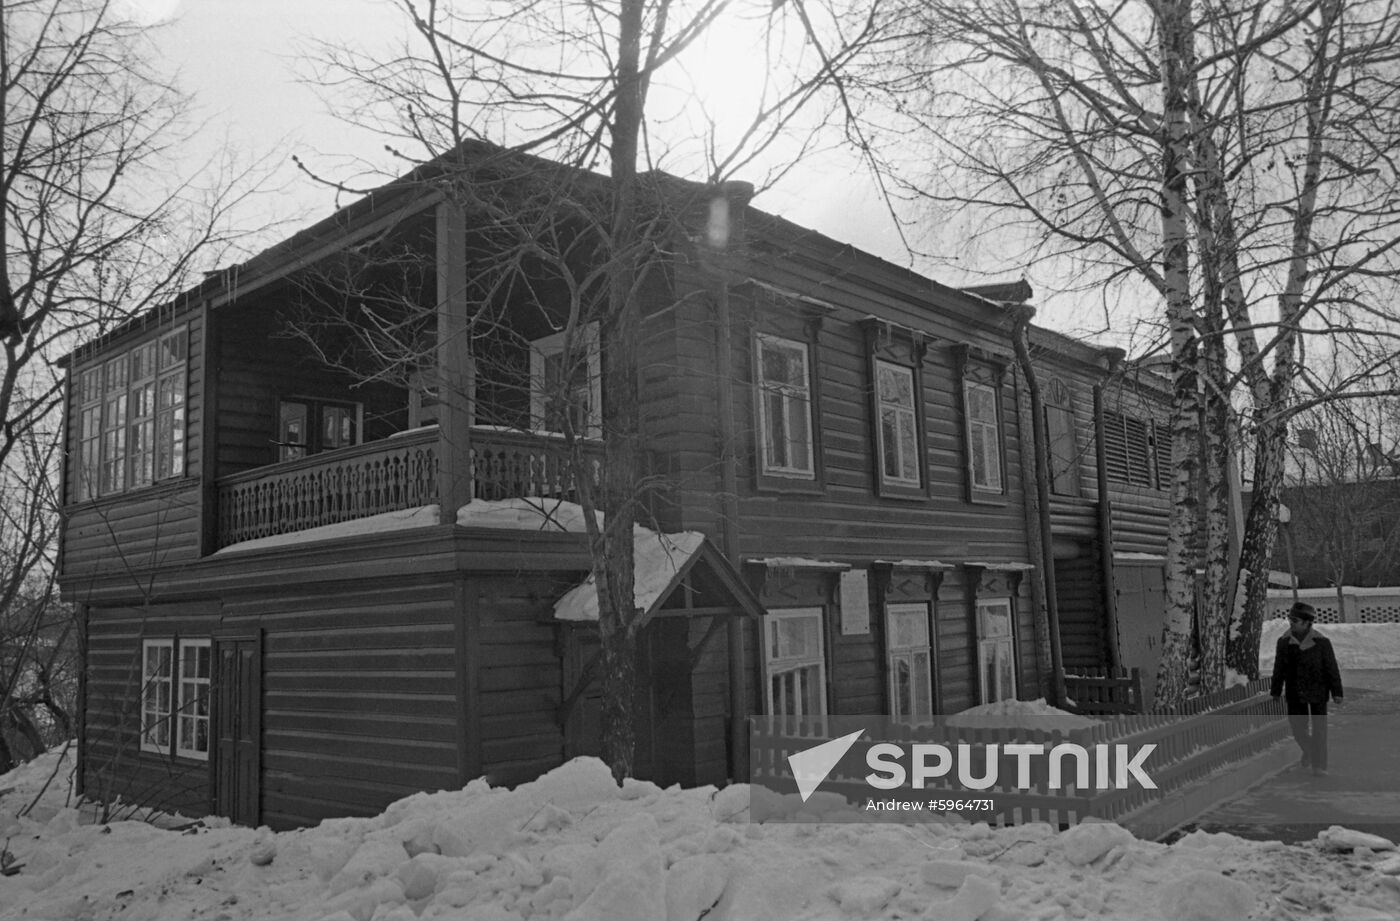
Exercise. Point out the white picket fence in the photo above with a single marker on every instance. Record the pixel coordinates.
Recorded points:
(1354, 606)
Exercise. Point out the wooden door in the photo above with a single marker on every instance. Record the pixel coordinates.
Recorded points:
(1141, 602)
(238, 728)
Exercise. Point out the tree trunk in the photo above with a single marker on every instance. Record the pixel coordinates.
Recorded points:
(1175, 30)
(618, 615)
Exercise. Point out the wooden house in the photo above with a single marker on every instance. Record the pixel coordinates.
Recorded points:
(288, 617)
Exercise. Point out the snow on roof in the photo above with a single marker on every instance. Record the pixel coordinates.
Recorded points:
(1001, 566)
(658, 558)
(797, 562)
(1019, 714)
(526, 514)
(915, 564)
(402, 520)
(1138, 557)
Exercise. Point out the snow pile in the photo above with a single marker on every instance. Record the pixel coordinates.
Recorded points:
(657, 557)
(572, 846)
(1020, 714)
(1356, 645)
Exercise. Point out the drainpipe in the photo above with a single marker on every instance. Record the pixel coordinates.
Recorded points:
(724, 225)
(1110, 597)
(1022, 314)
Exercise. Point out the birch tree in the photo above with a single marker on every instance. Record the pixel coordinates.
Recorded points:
(1233, 161)
(548, 124)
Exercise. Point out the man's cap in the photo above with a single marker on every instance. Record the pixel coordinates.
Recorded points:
(1302, 610)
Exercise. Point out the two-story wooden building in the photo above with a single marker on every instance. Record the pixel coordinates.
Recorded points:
(303, 596)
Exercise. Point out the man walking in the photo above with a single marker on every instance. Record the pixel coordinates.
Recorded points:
(1306, 666)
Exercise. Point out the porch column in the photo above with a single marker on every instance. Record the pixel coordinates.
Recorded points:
(456, 369)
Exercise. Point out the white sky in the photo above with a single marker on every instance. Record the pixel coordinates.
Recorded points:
(238, 58)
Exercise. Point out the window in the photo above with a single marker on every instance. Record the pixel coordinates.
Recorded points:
(566, 390)
(131, 417)
(996, 651)
(983, 436)
(1059, 431)
(192, 700)
(898, 427)
(785, 408)
(910, 662)
(794, 663)
(175, 697)
(311, 426)
(157, 667)
(1137, 452)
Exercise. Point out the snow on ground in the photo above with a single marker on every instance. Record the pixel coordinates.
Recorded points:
(1020, 714)
(572, 846)
(1356, 645)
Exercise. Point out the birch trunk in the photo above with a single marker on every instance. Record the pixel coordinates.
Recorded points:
(1175, 31)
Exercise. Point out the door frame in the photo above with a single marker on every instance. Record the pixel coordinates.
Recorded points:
(225, 797)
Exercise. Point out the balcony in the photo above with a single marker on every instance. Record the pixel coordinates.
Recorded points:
(385, 476)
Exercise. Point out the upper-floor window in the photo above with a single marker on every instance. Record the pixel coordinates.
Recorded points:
(785, 408)
(898, 425)
(794, 662)
(566, 384)
(983, 415)
(1137, 452)
(1059, 432)
(307, 426)
(131, 417)
(910, 662)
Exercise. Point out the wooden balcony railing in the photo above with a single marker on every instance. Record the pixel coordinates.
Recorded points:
(385, 476)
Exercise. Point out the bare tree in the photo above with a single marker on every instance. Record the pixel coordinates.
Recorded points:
(536, 121)
(1234, 160)
(94, 233)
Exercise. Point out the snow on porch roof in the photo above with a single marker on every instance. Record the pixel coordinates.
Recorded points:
(661, 560)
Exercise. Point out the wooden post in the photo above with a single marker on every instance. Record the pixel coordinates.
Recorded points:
(456, 369)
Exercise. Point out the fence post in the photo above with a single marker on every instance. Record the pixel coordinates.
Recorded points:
(1351, 607)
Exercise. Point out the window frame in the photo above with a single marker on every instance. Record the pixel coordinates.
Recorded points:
(548, 346)
(775, 665)
(806, 396)
(1062, 446)
(901, 348)
(168, 724)
(921, 611)
(315, 418)
(989, 644)
(126, 439)
(993, 430)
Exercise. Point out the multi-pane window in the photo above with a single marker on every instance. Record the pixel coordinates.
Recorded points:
(996, 651)
(192, 699)
(131, 417)
(898, 424)
(312, 426)
(175, 697)
(983, 436)
(566, 385)
(785, 407)
(910, 662)
(794, 664)
(157, 667)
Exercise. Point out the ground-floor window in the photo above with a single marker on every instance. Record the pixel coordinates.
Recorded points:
(910, 662)
(175, 678)
(794, 664)
(996, 651)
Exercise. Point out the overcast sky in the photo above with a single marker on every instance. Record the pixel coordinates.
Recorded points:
(239, 58)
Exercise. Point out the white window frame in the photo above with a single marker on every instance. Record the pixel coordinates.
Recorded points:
(794, 398)
(986, 433)
(904, 477)
(996, 649)
(132, 426)
(156, 695)
(909, 655)
(192, 700)
(778, 662)
(551, 345)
